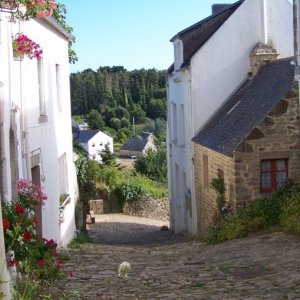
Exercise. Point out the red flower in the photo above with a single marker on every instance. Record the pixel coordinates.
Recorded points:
(19, 209)
(12, 262)
(53, 252)
(59, 264)
(27, 235)
(41, 262)
(6, 224)
(51, 243)
(71, 274)
(35, 220)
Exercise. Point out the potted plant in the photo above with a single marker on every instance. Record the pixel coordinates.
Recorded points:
(23, 45)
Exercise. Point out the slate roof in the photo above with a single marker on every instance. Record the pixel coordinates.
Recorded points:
(195, 36)
(247, 108)
(86, 135)
(134, 145)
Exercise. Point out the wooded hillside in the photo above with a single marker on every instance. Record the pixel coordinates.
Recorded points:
(111, 97)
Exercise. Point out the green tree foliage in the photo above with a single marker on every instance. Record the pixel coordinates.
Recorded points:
(153, 164)
(94, 119)
(108, 158)
(118, 93)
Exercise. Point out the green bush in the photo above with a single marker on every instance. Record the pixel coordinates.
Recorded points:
(153, 188)
(130, 191)
(282, 209)
(290, 217)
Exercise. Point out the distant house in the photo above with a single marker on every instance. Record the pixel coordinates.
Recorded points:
(138, 147)
(253, 140)
(94, 142)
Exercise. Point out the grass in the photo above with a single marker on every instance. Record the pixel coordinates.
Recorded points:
(79, 240)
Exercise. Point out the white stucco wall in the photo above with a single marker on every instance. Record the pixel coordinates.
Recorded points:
(216, 71)
(52, 138)
(222, 64)
(180, 153)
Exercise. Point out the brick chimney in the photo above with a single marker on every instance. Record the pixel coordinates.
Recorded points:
(261, 55)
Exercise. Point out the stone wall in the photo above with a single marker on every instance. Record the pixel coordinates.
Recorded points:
(277, 137)
(218, 165)
(149, 208)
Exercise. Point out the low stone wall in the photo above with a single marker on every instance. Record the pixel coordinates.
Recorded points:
(148, 208)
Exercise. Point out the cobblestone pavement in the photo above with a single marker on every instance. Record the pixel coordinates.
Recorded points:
(265, 266)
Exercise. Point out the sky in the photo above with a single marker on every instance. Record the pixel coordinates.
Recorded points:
(131, 33)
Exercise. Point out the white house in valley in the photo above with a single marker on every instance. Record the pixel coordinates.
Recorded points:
(211, 61)
(35, 121)
(94, 142)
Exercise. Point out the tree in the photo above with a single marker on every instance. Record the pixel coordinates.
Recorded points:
(108, 158)
(95, 120)
(153, 164)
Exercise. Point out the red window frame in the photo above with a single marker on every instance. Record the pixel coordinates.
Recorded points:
(273, 174)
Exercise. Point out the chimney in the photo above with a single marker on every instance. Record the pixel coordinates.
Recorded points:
(217, 7)
(261, 55)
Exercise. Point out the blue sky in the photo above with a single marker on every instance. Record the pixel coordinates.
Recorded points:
(130, 33)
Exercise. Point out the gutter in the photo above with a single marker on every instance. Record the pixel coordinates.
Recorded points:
(56, 25)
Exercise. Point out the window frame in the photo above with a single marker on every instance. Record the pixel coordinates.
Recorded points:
(273, 171)
(41, 87)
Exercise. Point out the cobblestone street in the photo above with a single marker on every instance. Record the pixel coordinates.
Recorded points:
(164, 267)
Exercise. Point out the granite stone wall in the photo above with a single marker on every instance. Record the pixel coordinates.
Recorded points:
(149, 208)
(276, 137)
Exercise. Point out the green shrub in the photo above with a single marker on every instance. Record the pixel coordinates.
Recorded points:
(153, 188)
(283, 208)
(290, 217)
(130, 191)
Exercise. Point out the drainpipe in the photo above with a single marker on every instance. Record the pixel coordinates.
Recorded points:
(296, 22)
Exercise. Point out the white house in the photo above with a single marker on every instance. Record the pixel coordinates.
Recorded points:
(35, 121)
(211, 60)
(94, 142)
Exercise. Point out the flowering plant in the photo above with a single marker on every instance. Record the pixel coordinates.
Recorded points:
(28, 252)
(23, 44)
(38, 8)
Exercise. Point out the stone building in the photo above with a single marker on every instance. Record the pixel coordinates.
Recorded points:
(138, 147)
(253, 140)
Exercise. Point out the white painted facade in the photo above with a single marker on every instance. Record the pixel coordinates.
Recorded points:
(215, 71)
(35, 120)
(96, 145)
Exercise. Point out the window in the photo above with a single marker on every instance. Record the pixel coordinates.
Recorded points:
(41, 87)
(93, 145)
(58, 86)
(273, 173)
